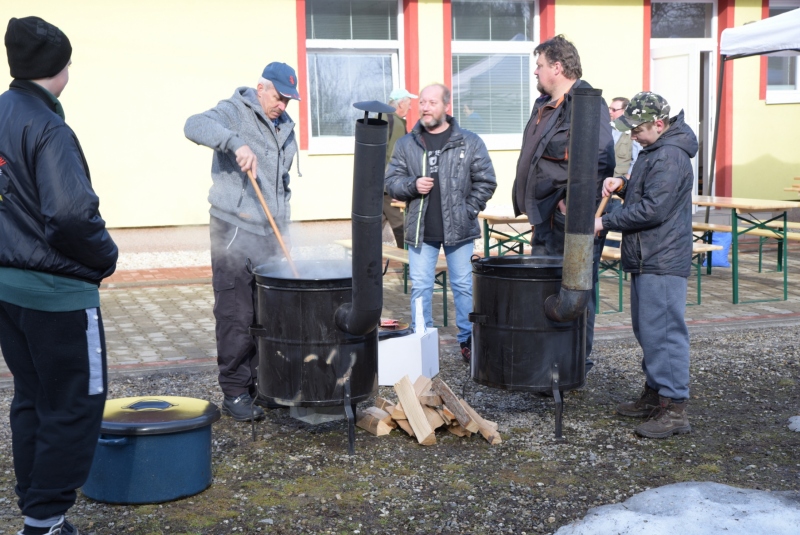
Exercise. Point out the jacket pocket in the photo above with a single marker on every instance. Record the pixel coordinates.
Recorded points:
(558, 147)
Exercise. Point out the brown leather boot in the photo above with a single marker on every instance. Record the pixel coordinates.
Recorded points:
(642, 407)
(668, 419)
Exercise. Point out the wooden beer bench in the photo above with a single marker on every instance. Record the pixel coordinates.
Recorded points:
(390, 252)
(610, 260)
(763, 234)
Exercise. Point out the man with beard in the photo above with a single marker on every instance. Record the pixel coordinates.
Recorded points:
(445, 176)
(541, 179)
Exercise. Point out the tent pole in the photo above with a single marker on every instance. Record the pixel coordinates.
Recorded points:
(709, 188)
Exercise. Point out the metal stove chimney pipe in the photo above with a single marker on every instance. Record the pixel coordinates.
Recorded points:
(363, 314)
(576, 281)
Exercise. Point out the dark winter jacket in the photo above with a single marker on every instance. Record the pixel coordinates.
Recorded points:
(233, 123)
(540, 184)
(656, 218)
(466, 178)
(49, 217)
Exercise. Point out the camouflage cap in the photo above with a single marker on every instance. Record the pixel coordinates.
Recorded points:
(643, 108)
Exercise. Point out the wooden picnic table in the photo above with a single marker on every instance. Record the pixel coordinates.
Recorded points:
(742, 210)
(514, 239)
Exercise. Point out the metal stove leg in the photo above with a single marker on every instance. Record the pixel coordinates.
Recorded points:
(557, 399)
(351, 421)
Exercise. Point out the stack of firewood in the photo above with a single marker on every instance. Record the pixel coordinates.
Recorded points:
(423, 407)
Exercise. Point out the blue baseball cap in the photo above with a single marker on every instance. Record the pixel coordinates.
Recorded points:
(283, 78)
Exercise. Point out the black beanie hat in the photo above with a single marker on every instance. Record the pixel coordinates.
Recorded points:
(36, 49)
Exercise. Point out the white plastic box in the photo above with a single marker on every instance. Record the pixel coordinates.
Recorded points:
(413, 355)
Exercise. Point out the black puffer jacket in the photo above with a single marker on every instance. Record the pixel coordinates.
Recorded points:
(466, 176)
(656, 218)
(49, 218)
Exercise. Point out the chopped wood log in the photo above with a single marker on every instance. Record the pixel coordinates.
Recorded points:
(446, 415)
(487, 429)
(405, 426)
(458, 430)
(381, 414)
(414, 413)
(371, 423)
(452, 402)
(430, 398)
(422, 384)
(384, 404)
(433, 417)
(398, 413)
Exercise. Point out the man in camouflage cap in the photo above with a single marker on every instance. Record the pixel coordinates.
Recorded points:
(656, 226)
(645, 107)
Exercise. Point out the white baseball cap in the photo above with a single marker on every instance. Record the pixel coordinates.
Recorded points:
(401, 93)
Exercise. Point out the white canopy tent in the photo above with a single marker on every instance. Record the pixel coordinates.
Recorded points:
(773, 36)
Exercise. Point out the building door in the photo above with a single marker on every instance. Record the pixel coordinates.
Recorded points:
(682, 66)
(675, 75)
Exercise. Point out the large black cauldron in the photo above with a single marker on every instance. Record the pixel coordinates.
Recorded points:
(305, 360)
(516, 346)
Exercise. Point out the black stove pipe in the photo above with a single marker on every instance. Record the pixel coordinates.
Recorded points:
(363, 314)
(576, 282)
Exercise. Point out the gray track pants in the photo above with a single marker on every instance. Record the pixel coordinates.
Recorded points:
(658, 305)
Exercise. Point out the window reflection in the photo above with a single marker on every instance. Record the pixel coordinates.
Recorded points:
(351, 19)
(480, 20)
(781, 71)
(491, 92)
(338, 80)
(680, 20)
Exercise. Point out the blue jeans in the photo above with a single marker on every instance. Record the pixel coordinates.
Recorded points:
(422, 270)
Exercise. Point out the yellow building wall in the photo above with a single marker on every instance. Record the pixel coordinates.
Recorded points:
(765, 150)
(140, 68)
(608, 37)
(431, 42)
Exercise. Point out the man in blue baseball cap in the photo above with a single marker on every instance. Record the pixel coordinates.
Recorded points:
(250, 131)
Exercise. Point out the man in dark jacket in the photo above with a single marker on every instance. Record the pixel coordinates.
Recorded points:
(54, 252)
(540, 185)
(656, 226)
(445, 176)
(250, 131)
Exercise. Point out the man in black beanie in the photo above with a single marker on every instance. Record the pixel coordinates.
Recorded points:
(54, 252)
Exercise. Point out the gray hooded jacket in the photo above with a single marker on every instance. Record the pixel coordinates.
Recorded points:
(233, 123)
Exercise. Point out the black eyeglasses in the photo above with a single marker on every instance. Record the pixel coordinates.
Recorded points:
(615, 109)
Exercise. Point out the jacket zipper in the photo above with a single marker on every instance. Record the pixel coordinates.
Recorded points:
(641, 252)
(422, 201)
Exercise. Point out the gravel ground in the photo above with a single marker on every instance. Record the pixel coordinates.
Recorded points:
(297, 478)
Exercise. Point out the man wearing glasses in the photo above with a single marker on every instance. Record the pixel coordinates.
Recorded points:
(625, 149)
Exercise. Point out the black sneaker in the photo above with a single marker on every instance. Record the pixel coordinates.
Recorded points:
(242, 408)
(62, 527)
(466, 350)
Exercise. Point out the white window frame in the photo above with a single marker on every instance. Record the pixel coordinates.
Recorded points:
(506, 48)
(785, 96)
(346, 144)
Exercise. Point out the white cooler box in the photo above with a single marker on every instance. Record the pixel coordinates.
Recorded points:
(414, 354)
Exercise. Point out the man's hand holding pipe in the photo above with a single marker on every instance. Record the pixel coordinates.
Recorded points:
(246, 160)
